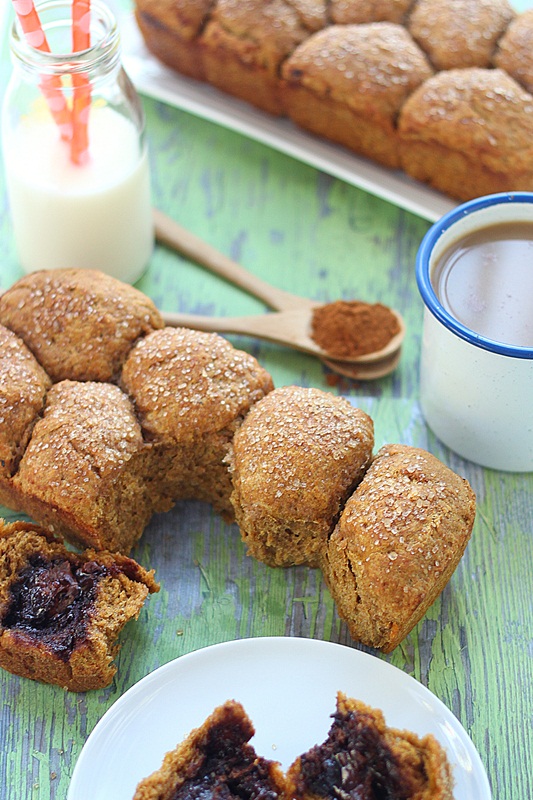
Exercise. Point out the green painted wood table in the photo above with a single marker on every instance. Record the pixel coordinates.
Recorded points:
(309, 233)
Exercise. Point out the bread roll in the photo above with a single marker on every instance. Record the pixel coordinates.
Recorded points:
(469, 132)
(245, 41)
(79, 324)
(459, 33)
(348, 83)
(295, 459)
(398, 541)
(86, 472)
(23, 388)
(191, 391)
(363, 757)
(514, 53)
(216, 760)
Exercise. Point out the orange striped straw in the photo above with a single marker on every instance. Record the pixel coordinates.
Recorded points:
(81, 40)
(51, 85)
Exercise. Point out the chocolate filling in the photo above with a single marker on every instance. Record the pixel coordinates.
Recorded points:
(354, 763)
(229, 770)
(50, 601)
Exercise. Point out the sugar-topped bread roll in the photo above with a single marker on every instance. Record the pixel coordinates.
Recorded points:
(79, 324)
(296, 458)
(398, 541)
(191, 390)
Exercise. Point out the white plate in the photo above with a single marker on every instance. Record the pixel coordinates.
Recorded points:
(155, 80)
(287, 685)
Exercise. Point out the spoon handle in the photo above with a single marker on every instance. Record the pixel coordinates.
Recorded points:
(288, 328)
(171, 234)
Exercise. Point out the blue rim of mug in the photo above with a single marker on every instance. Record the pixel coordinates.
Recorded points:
(425, 286)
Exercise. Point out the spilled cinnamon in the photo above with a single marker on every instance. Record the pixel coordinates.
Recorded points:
(346, 329)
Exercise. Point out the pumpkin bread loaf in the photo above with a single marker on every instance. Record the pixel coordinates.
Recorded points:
(216, 760)
(295, 460)
(355, 73)
(362, 757)
(61, 612)
(191, 391)
(398, 541)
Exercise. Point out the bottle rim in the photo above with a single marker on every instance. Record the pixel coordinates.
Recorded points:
(55, 15)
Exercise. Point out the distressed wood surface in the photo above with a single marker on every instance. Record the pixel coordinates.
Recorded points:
(314, 235)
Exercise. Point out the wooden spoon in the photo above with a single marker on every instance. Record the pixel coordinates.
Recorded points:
(290, 327)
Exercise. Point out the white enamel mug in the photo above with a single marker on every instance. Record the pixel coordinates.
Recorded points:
(476, 393)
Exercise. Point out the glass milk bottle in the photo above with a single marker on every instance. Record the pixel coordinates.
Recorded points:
(73, 146)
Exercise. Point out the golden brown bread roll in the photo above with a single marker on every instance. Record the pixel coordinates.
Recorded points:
(469, 132)
(86, 472)
(349, 82)
(515, 50)
(79, 324)
(61, 612)
(398, 541)
(459, 33)
(245, 41)
(295, 459)
(361, 751)
(191, 391)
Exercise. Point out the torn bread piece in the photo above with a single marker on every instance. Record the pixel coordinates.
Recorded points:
(216, 760)
(363, 758)
(61, 612)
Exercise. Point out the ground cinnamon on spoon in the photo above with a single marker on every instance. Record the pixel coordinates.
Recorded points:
(346, 329)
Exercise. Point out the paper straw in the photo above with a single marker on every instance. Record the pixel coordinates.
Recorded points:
(51, 85)
(81, 40)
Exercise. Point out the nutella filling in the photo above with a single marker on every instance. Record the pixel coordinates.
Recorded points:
(230, 770)
(50, 601)
(354, 763)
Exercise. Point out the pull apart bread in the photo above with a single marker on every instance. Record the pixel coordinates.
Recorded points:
(441, 89)
(361, 758)
(108, 416)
